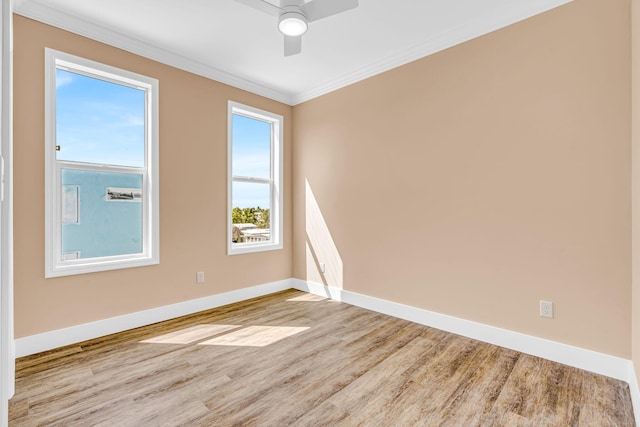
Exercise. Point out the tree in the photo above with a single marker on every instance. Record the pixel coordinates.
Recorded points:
(257, 216)
(243, 216)
(263, 219)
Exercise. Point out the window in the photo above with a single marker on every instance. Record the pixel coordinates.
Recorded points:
(255, 178)
(101, 148)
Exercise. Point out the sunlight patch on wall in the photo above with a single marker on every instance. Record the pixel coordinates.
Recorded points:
(321, 251)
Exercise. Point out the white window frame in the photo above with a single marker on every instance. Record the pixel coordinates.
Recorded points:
(275, 180)
(54, 264)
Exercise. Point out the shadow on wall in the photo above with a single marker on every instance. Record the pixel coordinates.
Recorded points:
(320, 248)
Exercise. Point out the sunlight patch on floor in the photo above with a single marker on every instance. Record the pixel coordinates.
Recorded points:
(255, 336)
(191, 334)
(308, 297)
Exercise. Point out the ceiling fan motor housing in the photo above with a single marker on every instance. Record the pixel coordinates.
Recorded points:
(292, 22)
(294, 16)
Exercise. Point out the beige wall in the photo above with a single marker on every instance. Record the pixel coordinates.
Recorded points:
(635, 159)
(482, 179)
(193, 155)
(473, 183)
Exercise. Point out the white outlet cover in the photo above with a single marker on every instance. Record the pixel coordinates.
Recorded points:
(546, 309)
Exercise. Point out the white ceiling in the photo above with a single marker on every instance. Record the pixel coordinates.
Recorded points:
(232, 43)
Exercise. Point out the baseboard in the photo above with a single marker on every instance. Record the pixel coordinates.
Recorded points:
(600, 363)
(634, 389)
(74, 334)
(604, 364)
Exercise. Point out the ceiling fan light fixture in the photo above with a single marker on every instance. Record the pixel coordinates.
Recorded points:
(292, 24)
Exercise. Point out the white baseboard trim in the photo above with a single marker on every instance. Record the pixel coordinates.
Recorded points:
(634, 389)
(600, 363)
(49, 340)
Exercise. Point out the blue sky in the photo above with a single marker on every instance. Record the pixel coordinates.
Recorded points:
(251, 157)
(99, 121)
(103, 122)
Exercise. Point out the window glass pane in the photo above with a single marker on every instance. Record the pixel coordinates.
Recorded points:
(96, 222)
(251, 147)
(250, 213)
(98, 121)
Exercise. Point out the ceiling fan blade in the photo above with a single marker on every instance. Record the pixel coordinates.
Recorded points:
(318, 9)
(262, 6)
(292, 45)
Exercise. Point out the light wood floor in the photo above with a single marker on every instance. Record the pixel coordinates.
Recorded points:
(294, 359)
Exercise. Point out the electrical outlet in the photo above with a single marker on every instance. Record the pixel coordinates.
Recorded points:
(323, 268)
(546, 309)
(200, 277)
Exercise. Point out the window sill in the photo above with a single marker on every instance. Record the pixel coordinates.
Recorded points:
(247, 248)
(94, 267)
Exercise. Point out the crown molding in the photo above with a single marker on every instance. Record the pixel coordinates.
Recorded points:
(466, 31)
(48, 15)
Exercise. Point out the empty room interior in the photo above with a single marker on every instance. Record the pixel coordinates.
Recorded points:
(415, 213)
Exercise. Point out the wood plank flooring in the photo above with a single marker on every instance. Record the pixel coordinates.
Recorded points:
(295, 359)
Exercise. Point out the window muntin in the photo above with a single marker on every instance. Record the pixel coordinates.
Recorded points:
(101, 146)
(255, 176)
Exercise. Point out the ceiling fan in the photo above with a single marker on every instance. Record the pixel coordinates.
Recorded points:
(294, 16)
